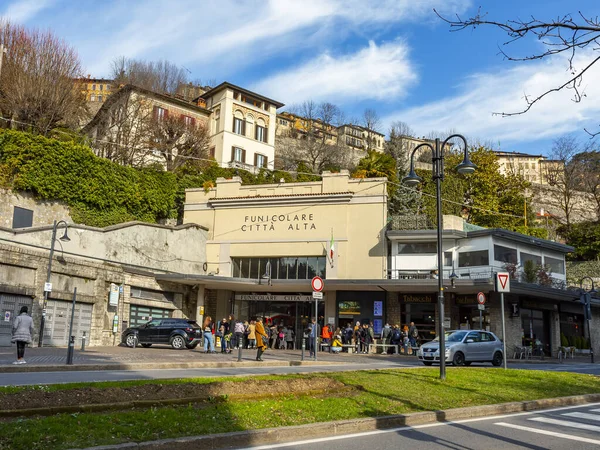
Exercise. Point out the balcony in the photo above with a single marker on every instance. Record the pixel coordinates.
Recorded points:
(240, 165)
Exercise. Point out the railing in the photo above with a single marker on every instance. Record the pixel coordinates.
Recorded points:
(240, 165)
(414, 222)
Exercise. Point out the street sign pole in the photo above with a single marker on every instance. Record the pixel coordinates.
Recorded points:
(503, 327)
(502, 286)
(317, 286)
(316, 326)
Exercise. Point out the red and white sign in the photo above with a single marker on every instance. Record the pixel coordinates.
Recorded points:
(317, 284)
(481, 298)
(502, 282)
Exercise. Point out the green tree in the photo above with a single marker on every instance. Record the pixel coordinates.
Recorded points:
(376, 165)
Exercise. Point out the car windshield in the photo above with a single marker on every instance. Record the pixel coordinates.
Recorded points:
(457, 336)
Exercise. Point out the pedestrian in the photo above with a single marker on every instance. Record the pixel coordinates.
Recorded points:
(363, 338)
(357, 334)
(289, 338)
(281, 337)
(347, 336)
(312, 336)
(238, 331)
(336, 345)
(396, 337)
(326, 336)
(273, 339)
(385, 337)
(246, 334)
(252, 334)
(209, 343)
(224, 331)
(22, 330)
(413, 334)
(262, 338)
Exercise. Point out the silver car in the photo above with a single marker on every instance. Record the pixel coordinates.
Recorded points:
(464, 347)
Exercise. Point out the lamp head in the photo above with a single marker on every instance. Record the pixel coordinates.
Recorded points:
(466, 166)
(412, 179)
(65, 237)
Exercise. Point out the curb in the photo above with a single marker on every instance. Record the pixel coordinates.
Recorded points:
(243, 439)
(147, 366)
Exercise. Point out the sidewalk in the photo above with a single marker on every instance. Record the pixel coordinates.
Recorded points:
(163, 357)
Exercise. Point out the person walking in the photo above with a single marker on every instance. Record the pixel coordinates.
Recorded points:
(262, 338)
(209, 343)
(22, 330)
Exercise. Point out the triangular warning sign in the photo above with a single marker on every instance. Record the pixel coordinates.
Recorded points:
(503, 278)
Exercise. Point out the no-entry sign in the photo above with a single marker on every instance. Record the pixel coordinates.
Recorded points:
(317, 284)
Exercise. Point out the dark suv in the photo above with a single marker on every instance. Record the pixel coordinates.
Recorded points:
(179, 333)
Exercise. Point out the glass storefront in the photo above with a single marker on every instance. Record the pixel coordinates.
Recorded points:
(363, 307)
(420, 309)
(536, 327)
(292, 268)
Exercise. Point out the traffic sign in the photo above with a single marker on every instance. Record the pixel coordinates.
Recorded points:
(502, 282)
(481, 298)
(47, 287)
(318, 295)
(481, 307)
(317, 284)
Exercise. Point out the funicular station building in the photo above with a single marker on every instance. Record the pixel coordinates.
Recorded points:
(252, 250)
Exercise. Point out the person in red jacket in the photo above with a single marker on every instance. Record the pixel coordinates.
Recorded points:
(326, 336)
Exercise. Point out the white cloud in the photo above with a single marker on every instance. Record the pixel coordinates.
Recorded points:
(373, 72)
(482, 94)
(22, 10)
(225, 35)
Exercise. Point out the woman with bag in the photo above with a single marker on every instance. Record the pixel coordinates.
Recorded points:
(261, 338)
(21, 333)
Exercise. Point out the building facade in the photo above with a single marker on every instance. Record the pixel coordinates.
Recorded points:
(242, 127)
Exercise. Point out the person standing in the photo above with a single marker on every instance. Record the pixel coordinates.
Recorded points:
(238, 332)
(262, 338)
(413, 334)
(224, 329)
(386, 334)
(209, 343)
(252, 334)
(312, 336)
(289, 338)
(22, 330)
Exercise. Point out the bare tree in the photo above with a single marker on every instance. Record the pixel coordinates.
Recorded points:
(400, 137)
(564, 174)
(588, 161)
(37, 90)
(179, 142)
(158, 76)
(568, 34)
(372, 124)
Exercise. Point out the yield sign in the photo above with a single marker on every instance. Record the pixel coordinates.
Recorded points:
(502, 282)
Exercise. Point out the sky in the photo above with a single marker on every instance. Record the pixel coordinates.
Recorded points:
(394, 56)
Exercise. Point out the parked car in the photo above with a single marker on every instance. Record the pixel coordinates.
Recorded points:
(179, 333)
(464, 347)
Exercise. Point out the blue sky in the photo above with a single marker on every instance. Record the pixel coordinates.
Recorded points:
(394, 56)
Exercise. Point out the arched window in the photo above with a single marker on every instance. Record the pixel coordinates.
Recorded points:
(260, 133)
(239, 124)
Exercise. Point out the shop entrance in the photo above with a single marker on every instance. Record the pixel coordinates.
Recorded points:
(294, 315)
(536, 329)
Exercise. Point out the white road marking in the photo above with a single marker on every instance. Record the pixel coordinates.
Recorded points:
(416, 427)
(549, 433)
(566, 423)
(582, 415)
(594, 410)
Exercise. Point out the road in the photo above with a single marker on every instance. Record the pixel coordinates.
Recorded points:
(573, 428)
(36, 378)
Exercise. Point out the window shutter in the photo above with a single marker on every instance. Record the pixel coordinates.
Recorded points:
(244, 127)
(233, 128)
(243, 156)
(193, 121)
(232, 153)
(166, 114)
(256, 128)
(266, 138)
(155, 112)
(211, 152)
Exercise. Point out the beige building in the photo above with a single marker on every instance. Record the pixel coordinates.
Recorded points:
(242, 127)
(533, 168)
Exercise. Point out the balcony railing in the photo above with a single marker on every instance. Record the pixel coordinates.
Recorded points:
(240, 165)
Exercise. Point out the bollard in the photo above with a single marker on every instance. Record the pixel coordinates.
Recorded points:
(303, 347)
(83, 342)
(135, 338)
(239, 353)
(70, 350)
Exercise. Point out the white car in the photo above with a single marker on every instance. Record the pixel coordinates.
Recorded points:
(464, 347)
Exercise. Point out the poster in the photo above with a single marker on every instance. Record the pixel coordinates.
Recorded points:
(378, 308)
(377, 326)
(7, 316)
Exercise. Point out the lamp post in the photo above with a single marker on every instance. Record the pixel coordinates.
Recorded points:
(586, 299)
(412, 179)
(47, 288)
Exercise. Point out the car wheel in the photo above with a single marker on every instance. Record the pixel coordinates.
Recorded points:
(192, 346)
(177, 342)
(427, 363)
(459, 359)
(497, 361)
(146, 345)
(468, 363)
(130, 340)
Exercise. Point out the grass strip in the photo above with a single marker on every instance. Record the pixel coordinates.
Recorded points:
(380, 393)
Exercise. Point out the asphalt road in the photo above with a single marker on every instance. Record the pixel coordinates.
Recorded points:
(573, 428)
(36, 378)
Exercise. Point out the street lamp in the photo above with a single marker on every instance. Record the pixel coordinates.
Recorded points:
(586, 299)
(47, 288)
(412, 179)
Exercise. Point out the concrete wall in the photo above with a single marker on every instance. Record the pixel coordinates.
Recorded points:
(179, 249)
(44, 212)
